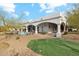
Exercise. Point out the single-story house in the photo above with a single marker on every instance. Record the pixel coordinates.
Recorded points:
(54, 23)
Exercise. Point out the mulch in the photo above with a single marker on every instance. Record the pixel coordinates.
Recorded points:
(71, 36)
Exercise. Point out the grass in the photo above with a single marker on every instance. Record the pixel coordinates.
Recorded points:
(54, 47)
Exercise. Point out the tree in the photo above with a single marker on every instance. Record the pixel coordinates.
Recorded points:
(2, 18)
(13, 23)
(73, 17)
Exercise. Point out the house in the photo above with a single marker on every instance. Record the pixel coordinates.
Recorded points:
(54, 23)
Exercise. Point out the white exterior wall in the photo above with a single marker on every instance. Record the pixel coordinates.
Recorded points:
(45, 27)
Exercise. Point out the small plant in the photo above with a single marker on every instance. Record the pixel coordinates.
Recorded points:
(43, 32)
(17, 38)
(65, 33)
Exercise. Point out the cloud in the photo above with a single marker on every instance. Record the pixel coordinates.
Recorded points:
(49, 11)
(6, 1)
(62, 1)
(32, 4)
(14, 15)
(40, 1)
(43, 6)
(8, 7)
(44, 1)
(49, 7)
(26, 13)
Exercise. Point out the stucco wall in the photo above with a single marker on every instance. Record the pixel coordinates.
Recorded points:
(46, 27)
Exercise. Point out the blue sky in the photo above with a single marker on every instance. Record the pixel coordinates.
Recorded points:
(33, 11)
(28, 8)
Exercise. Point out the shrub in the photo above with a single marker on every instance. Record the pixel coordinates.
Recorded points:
(74, 32)
(43, 32)
(65, 33)
(17, 38)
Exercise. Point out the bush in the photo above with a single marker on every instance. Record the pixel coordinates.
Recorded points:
(73, 32)
(43, 32)
(17, 38)
(65, 33)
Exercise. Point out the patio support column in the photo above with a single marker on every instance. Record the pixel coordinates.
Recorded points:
(59, 31)
(26, 29)
(36, 31)
(64, 28)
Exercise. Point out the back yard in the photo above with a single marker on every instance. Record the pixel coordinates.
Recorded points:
(55, 47)
(35, 45)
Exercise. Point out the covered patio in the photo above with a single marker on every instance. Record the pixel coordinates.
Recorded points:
(55, 24)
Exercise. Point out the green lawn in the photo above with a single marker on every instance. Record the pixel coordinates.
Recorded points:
(54, 47)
